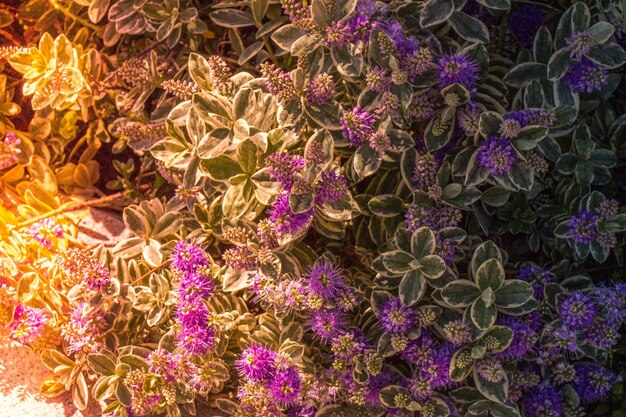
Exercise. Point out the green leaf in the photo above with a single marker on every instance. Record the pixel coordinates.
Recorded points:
(612, 225)
(101, 364)
(583, 172)
(169, 224)
(559, 64)
(136, 222)
(80, 392)
(221, 168)
(469, 28)
(412, 287)
(397, 261)
(529, 137)
(246, 155)
(123, 395)
(495, 196)
(608, 56)
(601, 32)
(513, 293)
(487, 250)
(386, 205)
(232, 18)
(460, 293)
(522, 74)
(422, 242)
(459, 371)
(432, 266)
(489, 124)
(366, 161)
(483, 316)
(200, 71)
(580, 17)
(286, 35)
(603, 158)
(435, 12)
(502, 334)
(497, 391)
(495, 4)
(490, 275)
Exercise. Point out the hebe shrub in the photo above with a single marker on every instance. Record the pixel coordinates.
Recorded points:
(338, 207)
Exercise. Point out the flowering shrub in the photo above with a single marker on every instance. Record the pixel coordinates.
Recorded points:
(337, 207)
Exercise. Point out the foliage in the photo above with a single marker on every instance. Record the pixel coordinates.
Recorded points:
(337, 207)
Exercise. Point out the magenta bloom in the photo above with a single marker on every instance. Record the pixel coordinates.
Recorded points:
(27, 324)
(396, 318)
(593, 382)
(283, 167)
(357, 125)
(496, 155)
(582, 228)
(543, 401)
(435, 218)
(537, 278)
(188, 257)
(425, 172)
(320, 89)
(193, 285)
(457, 68)
(197, 340)
(338, 34)
(286, 221)
(586, 77)
(578, 311)
(45, 231)
(84, 332)
(327, 323)
(285, 387)
(257, 363)
(331, 187)
(325, 279)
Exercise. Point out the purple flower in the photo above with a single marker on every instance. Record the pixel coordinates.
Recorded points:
(278, 82)
(457, 332)
(438, 368)
(325, 279)
(327, 323)
(578, 311)
(525, 22)
(380, 142)
(192, 312)
(435, 218)
(320, 89)
(46, 232)
(375, 385)
(582, 228)
(338, 34)
(580, 43)
(468, 118)
(533, 117)
(193, 285)
(537, 278)
(524, 338)
(586, 77)
(331, 187)
(593, 382)
(543, 401)
(285, 387)
(84, 331)
(282, 167)
(603, 335)
(421, 387)
(457, 68)
(164, 363)
(496, 155)
(396, 318)
(425, 172)
(377, 79)
(287, 222)
(357, 125)
(445, 249)
(418, 62)
(257, 363)
(27, 323)
(421, 351)
(608, 209)
(188, 257)
(564, 337)
(423, 106)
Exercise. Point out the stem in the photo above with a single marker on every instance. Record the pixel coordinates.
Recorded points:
(268, 46)
(66, 11)
(141, 278)
(75, 207)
